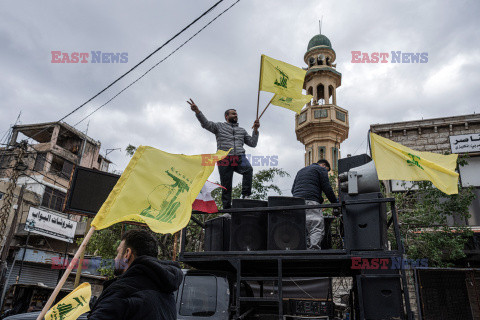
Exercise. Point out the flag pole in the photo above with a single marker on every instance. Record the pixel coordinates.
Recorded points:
(264, 110)
(259, 79)
(67, 272)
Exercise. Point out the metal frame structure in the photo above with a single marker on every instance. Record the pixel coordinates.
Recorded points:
(272, 265)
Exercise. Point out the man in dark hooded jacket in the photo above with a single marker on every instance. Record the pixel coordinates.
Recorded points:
(145, 285)
(309, 184)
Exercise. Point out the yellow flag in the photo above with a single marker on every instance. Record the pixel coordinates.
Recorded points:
(294, 104)
(157, 188)
(280, 77)
(73, 305)
(394, 161)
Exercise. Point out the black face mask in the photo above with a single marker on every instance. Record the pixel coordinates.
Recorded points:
(120, 267)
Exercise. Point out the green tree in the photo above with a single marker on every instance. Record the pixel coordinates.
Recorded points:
(423, 217)
(130, 150)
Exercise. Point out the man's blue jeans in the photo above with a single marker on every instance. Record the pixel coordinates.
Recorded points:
(226, 168)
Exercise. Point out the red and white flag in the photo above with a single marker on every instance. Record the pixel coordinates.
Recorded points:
(204, 201)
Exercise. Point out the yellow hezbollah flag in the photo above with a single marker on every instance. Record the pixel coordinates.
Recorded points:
(280, 77)
(294, 104)
(73, 305)
(157, 188)
(394, 161)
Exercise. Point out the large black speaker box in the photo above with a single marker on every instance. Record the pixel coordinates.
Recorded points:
(89, 190)
(217, 234)
(380, 297)
(248, 229)
(286, 228)
(365, 225)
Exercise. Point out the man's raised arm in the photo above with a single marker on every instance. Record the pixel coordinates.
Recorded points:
(206, 124)
(251, 141)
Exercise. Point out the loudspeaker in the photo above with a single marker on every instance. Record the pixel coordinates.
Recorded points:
(348, 163)
(217, 234)
(248, 229)
(286, 228)
(362, 179)
(89, 190)
(365, 225)
(380, 297)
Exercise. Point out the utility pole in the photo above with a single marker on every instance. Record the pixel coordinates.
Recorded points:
(14, 223)
(6, 247)
(18, 167)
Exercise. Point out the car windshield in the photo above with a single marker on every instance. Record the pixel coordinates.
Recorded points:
(199, 296)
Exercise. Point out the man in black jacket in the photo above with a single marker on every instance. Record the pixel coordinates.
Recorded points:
(309, 184)
(145, 285)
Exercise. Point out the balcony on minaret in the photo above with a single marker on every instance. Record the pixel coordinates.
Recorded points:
(322, 126)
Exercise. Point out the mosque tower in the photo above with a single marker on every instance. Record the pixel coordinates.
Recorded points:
(322, 126)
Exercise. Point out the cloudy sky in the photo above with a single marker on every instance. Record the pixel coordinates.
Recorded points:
(219, 68)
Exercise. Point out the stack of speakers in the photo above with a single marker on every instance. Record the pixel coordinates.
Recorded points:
(365, 225)
(260, 230)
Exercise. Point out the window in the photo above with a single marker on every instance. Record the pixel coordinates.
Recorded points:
(199, 296)
(302, 118)
(5, 161)
(320, 113)
(61, 167)
(334, 158)
(341, 116)
(53, 199)
(1, 195)
(40, 162)
(322, 152)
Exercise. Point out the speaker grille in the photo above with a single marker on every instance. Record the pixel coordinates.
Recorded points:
(248, 231)
(382, 297)
(286, 229)
(217, 234)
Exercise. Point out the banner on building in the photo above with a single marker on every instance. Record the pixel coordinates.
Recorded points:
(50, 225)
(465, 143)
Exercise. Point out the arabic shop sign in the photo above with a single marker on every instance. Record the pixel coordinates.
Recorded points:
(50, 225)
(465, 143)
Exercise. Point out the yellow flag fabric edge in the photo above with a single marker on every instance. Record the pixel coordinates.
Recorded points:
(83, 286)
(105, 209)
(303, 97)
(261, 73)
(261, 87)
(387, 143)
(100, 216)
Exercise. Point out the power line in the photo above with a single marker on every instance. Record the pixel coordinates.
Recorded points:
(155, 65)
(134, 67)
